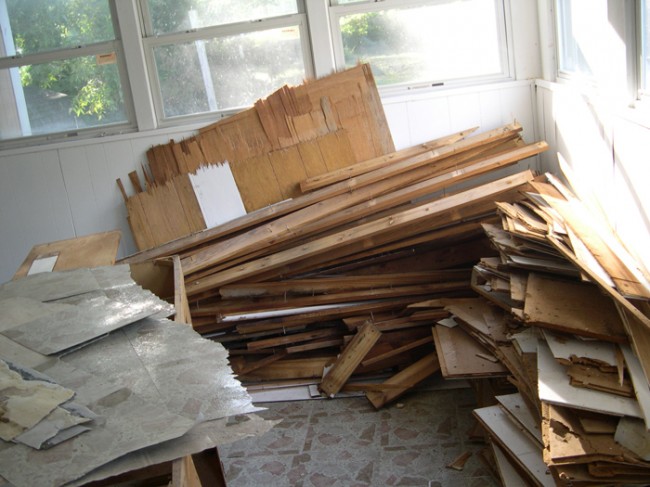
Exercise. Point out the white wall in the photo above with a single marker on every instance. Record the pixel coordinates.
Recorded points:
(69, 190)
(602, 152)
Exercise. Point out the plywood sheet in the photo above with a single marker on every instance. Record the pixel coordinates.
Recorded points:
(462, 357)
(574, 307)
(96, 250)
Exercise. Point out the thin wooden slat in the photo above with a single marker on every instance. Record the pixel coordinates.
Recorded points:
(349, 359)
(135, 181)
(335, 176)
(181, 304)
(397, 351)
(292, 338)
(258, 364)
(407, 378)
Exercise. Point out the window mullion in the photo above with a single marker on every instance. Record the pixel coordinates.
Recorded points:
(136, 65)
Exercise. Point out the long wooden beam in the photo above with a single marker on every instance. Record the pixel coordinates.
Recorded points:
(326, 179)
(390, 223)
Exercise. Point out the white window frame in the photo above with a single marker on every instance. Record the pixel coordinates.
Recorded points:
(505, 43)
(93, 49)
(151, 41)
(632, 41)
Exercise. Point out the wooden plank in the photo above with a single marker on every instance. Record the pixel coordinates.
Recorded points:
(135, 181)
(335, 176)
(459, 355)
(391, 223)
(120, 186)
(397, 351)
(312, 158)
(333, 284)
(508, 474)
(181, 304)
(184, 474)
(349, 360)
(292, 338)
(607, 250)
(407, 378)
(209, 468)
(572, 307)
(139, 224)
(309, 368)
(258, 364)
(345, 208)
(95, 250)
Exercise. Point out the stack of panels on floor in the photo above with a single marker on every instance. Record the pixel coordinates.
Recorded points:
(319, 287)
(564, 310)
(88, 387)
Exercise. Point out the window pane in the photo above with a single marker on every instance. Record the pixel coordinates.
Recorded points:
(645, 46)
(575, 30)
(175, 16)
(39, 25)
(61, 96)
(440, 42)
(228, 72)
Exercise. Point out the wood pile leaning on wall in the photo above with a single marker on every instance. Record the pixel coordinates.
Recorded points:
(290, 287)
(294, 134)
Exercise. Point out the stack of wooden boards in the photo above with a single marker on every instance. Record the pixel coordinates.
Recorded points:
(564, 312)
(294, 134)
(289, 286)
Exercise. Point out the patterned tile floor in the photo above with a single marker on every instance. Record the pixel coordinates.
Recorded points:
(346, 442)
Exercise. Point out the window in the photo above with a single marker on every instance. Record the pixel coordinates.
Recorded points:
(61, 64)
(597, 46)
(644, 28)
(426, 42)
(211, 56)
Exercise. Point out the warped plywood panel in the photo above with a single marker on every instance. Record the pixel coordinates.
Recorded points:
(342, 112)
(573, 307)
(462, 357)
(96, 250)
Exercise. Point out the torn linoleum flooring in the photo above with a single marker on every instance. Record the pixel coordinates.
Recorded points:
(149, 381)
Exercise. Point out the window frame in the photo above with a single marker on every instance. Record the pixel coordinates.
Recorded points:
(504, 27)
(633, 63)
(151, 41)
(92, 49)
